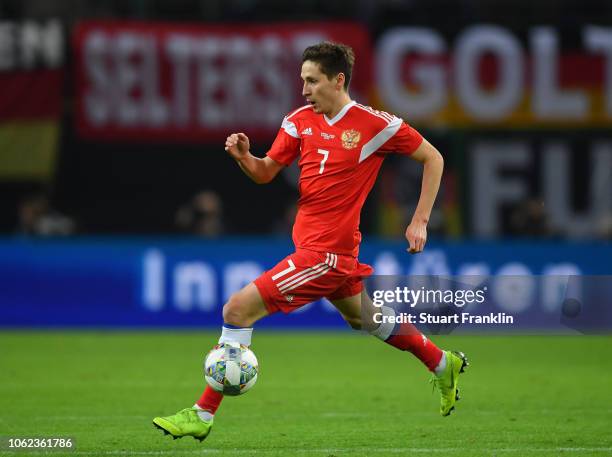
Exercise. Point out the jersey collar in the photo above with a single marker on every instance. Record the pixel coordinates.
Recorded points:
(341, 114)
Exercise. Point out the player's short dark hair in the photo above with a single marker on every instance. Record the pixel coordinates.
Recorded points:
(333, 58)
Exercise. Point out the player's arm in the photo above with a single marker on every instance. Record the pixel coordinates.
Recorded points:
(260, 170)
(433, 165)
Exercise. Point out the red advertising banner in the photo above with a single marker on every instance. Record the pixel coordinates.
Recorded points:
(176, 82)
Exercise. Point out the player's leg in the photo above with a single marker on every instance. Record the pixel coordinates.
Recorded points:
(241, 311)
(359, 312)
(446, 366)
(297, 280)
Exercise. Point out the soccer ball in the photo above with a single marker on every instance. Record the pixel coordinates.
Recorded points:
(231, 368)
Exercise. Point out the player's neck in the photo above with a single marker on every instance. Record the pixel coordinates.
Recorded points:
(342, 101)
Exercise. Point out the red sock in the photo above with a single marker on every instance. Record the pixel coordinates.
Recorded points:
(409, 338)
(210, 400)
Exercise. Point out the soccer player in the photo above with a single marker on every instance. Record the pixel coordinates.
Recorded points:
(340, 145)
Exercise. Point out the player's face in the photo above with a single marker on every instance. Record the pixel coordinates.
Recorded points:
(319, 90)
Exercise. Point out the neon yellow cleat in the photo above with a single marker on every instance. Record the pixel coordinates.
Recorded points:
(447, 381)
(184, 423)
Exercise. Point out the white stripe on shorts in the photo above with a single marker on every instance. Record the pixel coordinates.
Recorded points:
(306, 274)
(305, 280)
(298, 274)
(331, 259)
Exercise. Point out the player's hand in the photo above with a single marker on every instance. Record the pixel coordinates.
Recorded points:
(237, 145)
(416, 234)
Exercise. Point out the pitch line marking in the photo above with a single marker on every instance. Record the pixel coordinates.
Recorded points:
(402, 450)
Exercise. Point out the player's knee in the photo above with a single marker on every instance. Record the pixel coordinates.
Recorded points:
(353, 321)
(235, 313)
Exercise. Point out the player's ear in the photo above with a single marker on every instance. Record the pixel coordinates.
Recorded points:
(340, 81)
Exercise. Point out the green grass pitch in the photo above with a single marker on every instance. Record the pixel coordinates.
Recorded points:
(319, 394)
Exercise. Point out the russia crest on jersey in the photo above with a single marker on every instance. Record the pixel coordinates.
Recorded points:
(350, 139)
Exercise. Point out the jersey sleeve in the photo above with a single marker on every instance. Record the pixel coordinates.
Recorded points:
(286, 146)
(406, 139)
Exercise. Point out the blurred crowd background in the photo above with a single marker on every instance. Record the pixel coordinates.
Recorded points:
(113, 113)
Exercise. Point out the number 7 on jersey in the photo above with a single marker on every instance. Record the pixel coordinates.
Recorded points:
(325, 156)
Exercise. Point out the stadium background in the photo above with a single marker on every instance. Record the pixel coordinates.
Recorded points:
(120, 208)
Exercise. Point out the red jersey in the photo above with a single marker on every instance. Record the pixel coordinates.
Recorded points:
(339, 160)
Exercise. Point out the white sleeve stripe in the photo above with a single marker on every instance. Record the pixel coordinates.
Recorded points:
(298, 110)
(381, 138)
(379, 115)
(290, 128)
(387, 116)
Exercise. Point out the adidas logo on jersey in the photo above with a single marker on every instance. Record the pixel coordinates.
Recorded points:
(307, 131)
(289, 298)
